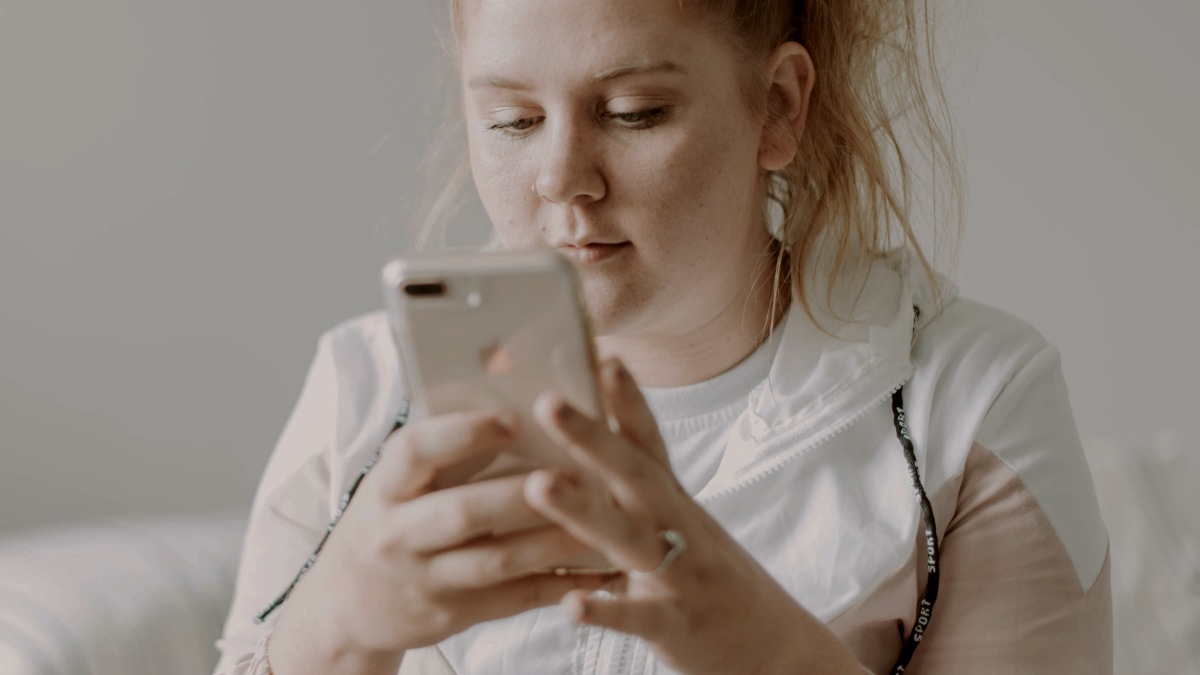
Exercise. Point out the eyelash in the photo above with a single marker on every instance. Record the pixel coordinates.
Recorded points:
(639, 119)
(633, 120)
(516, 127)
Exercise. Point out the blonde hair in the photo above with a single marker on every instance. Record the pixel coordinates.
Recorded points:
(877, 127)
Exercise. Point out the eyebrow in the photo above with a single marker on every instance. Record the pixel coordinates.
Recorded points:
(639, 69)
(496, 82)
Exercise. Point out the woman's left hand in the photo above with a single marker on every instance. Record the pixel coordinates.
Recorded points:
(713, 608)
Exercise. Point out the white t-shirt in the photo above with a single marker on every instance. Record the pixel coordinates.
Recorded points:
(695, 419)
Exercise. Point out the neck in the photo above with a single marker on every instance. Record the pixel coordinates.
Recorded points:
(708, 344)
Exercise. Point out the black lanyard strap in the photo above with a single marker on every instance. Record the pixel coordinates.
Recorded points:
(932, 549)
(401, 418)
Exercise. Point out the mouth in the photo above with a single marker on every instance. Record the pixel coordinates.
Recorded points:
(593, 254)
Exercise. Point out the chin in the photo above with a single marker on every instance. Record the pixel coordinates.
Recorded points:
(604, 305)
(616, 314)
(623, 300)
(605, 320)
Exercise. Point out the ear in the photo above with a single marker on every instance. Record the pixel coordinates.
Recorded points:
(791, 77)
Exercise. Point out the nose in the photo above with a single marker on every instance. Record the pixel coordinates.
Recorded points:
(569, 171)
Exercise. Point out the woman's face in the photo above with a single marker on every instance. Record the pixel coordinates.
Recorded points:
(616, 132)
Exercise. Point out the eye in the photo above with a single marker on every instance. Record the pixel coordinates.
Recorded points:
(638, 119)
(516, 127)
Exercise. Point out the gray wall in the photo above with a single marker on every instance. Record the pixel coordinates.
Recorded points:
(191, 191)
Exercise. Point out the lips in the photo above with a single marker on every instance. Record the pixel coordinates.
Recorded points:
(592, 253)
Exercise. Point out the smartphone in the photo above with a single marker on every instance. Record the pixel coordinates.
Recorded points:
(493, 330)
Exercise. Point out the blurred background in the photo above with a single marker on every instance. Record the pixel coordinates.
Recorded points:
(190, 192)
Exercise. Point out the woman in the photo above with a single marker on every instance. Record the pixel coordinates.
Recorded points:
(719, 170)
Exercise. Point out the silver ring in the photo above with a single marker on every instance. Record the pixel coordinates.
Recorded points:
(675, 545)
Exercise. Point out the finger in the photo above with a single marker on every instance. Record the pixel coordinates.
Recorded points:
(594, 519)
(495, 560)
(632, 476)
(520, 595)
(627, 409)
(495, 506)
(414, 454)
(648, 619)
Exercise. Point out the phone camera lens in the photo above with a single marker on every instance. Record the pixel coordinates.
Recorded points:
(425, 289)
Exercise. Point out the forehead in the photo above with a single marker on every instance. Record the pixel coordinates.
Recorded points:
(542, 37)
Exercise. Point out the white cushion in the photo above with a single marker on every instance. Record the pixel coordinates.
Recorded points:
(127, 597)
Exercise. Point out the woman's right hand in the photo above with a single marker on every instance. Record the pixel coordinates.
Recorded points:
(408, 566)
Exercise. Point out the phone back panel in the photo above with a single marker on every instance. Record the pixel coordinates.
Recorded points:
(508, 326)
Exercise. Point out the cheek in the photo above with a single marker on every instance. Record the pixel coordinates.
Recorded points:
(504, 180)
(693, 191)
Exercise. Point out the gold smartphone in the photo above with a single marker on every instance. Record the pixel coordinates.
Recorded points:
(493, 330)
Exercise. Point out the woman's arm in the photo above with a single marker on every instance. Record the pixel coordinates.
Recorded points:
(1024, 575)
(387, 580)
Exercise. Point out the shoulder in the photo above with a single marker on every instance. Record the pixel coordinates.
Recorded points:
(974, 342)
(363, 337)
(968, 361)
(364, 356)
(967, 358)
(988, 384)
(369, 392)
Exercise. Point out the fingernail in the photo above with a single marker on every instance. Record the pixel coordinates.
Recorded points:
(618, 370)
(564, 411)
(507, 423)
(556, 487)
(562, 484)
